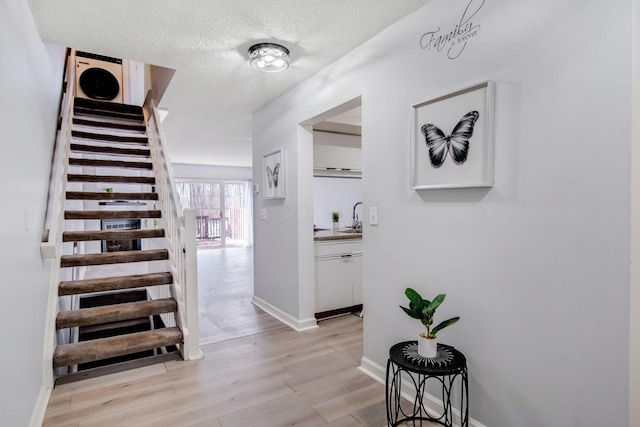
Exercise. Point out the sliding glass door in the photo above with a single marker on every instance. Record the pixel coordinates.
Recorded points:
(223, 211)
(237, 214)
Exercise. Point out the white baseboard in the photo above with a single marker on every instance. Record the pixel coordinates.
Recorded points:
(37, 416)
(373, 370)
(298, 325)
(192, 351)
(433, 405)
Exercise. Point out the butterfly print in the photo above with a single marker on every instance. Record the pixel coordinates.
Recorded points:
(273, 175)
(457, 143)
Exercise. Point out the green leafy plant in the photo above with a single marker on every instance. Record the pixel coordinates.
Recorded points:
(423, 310)
(335, 216)
(109, 190)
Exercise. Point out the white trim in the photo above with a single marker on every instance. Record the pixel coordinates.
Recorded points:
(40, 408)
(634, 273)
(433, 404)
(190, 351)
(372, 369)
(295, 324)
(190, 289)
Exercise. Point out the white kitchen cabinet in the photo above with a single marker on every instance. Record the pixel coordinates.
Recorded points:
(334, 283)
(338, 274)
(329, 160)
(357, 279)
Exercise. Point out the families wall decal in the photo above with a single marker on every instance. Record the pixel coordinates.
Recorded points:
(455, 40)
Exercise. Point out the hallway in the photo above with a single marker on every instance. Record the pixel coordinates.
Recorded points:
(225, 287)
(272, 379)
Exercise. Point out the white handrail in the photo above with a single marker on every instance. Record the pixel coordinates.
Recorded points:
(54, 216)
(180, 234)
(51, 246)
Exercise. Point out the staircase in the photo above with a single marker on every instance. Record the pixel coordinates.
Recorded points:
(108, 137)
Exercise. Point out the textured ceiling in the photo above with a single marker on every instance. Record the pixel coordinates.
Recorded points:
(214, 91)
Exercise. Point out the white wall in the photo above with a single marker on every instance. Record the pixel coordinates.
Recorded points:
(634, 332)
(30, 83)
(336, 194)
(189, 171)
(538, 265)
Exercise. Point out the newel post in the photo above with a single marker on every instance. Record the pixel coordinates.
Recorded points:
(191, 283)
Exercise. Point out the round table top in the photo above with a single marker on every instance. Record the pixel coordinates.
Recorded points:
(447, 362)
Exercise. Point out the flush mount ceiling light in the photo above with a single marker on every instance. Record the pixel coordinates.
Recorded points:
(269, 57)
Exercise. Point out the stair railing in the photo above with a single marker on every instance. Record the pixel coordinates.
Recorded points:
(51, 246)
(180, 232)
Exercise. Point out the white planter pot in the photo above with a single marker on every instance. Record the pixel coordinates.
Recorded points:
(336, 225)
(427, 347)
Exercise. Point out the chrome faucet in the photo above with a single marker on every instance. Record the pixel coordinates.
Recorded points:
(355, 224)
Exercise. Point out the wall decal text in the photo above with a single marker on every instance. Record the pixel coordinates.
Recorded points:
(455, 40)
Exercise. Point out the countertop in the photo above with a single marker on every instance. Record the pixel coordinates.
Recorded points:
(335, 235)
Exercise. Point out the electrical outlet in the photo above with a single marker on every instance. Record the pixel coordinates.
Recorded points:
(373, 215)
(263, 214)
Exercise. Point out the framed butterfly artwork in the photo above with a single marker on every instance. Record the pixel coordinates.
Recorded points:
(452, 139)
(274, 175)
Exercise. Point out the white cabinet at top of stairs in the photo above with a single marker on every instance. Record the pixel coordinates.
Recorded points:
(338, 274)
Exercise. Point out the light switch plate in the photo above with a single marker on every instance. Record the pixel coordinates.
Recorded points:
(263, 214)
(373, 215)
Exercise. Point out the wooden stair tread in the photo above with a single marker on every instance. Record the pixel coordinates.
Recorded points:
(103, 195)
(85, 236)
(104, 149)
(107, 106)
(133, 214)
(114, 313)
(76, 287)
(113, 258)
(141, 140)
(104, 348)
(134, 118)
(112, 323)
(96, 108)
(110, 163)
(109, 125)
(112, 178)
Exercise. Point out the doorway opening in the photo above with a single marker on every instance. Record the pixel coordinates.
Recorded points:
(335, 150)
(224, 236)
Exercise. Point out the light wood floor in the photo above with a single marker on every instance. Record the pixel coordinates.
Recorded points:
(225, 289)
(272, 379)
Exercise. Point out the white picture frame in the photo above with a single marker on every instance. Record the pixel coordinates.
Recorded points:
(273, 173)
(440, 131)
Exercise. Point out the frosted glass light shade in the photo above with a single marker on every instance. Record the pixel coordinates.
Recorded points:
(269, 57)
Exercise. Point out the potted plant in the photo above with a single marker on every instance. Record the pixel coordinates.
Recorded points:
(423, 310)
(335, 217)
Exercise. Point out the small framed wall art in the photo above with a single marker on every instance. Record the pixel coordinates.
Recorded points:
(273, 170)
(452, 140)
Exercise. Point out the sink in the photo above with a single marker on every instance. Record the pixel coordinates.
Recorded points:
(320, 229)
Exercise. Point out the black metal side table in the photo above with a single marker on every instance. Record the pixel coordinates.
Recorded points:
(448, 365)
